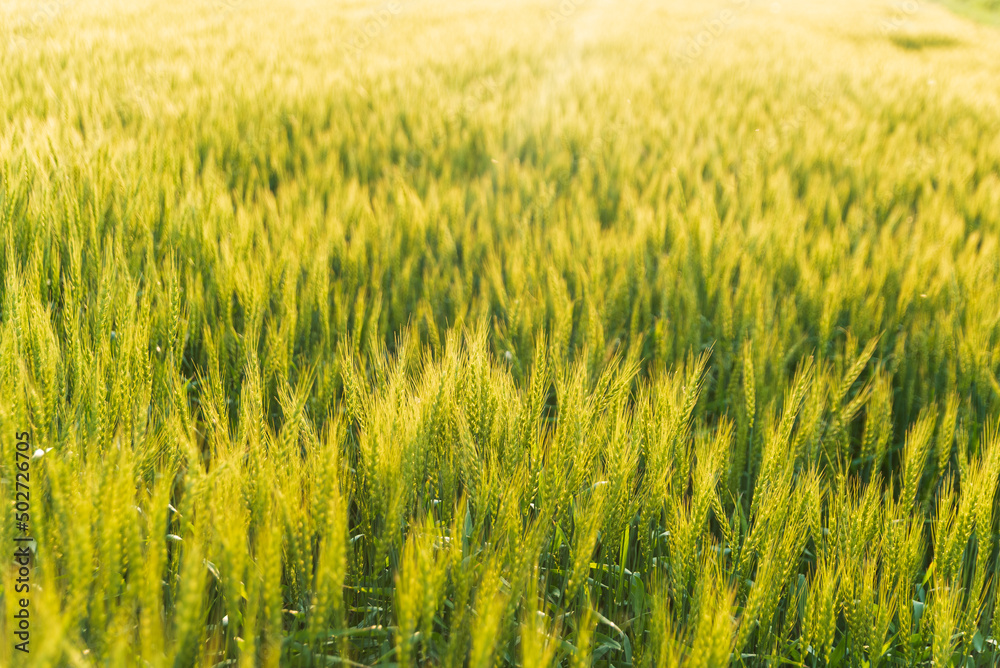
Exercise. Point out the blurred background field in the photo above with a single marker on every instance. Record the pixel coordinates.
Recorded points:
(525, 333)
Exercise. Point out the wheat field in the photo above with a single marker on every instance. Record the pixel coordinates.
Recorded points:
(536, 333)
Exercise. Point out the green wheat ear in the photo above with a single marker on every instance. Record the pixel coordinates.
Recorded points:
(749, 384)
